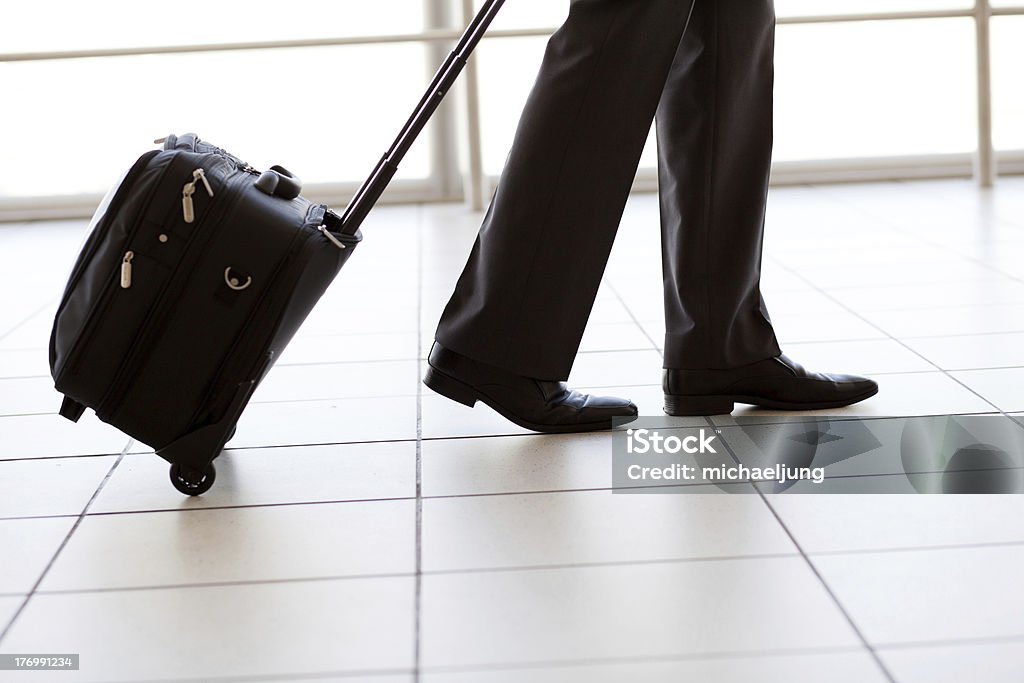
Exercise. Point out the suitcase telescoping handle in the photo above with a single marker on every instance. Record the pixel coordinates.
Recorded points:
(444, 79)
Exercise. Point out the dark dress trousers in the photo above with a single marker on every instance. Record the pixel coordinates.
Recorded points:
(705, 68)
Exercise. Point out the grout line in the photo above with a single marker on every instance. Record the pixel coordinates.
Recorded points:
(981, 640)
(644, 659)
(226, 584)
(993, 367)
(418, 583)
(413, 574)
(828, 589)
(959, 334)
(29, 458)
(914, 549)
(63, 544)
(361, 676)
(680, 487)
(565, 566)
(250, 506)
(533, 665)
(22, 518)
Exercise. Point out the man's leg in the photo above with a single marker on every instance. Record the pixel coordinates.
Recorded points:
(526, 293)
(715, 150)
(715, 144)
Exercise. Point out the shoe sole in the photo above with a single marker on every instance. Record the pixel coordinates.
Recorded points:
(689, 406)
(460, 392)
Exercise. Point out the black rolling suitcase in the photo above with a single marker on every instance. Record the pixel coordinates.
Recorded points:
(197, 272)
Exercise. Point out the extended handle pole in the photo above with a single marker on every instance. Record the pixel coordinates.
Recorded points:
(442, 82)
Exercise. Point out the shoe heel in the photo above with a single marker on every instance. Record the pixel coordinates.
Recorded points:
(680, 406)
(449, 387)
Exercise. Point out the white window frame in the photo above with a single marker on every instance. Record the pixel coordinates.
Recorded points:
(457, 172)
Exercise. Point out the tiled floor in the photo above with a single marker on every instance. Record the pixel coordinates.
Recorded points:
(363, 529)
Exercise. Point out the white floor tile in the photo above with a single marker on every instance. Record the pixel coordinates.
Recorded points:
(33, 333)
(923, 595)
(952, 269)
(997, 662)
(444, 418)
(516, 464)
(812, 327)
(800, 304)
(29, 545)
(620, 368)
(937, 322)
(50, 486)
(974, 351)
(347, 348)
(322, 422)
(51, 436)
(268, 476)
(830, 523)
(931, 264)
(339, 380)
(609, 311)
(1001, 387)
(847, 667)
(8, 606)
(776, 281)
(614, 337)
(326, 320)
(874, 357)
(521, 463)
(278, 630)
(28, 396)
(24, 363)
(932, 295)
(238, 544)
(655, 328)
(651, 610)
(583, 527)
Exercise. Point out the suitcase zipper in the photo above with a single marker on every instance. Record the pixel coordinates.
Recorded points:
(187, 207)
(135, 357)
(126, 269)
(125, 280)
(95, 312)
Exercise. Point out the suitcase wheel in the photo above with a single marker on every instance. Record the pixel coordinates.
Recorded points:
(193, 482)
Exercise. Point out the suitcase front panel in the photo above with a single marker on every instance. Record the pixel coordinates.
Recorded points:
(134, 248)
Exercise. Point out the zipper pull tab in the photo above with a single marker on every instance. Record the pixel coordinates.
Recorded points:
(126, 269)
(187, 207)
(186, 203)
(200, 174)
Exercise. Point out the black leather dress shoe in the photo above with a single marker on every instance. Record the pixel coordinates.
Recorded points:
(534, 404)
(776, 383)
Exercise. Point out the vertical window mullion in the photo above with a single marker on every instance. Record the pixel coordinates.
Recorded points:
(984, 164)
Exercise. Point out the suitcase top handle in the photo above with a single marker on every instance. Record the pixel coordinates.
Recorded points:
(443, 81)
(277, 181)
